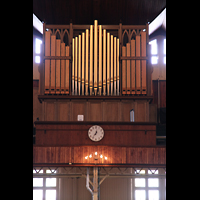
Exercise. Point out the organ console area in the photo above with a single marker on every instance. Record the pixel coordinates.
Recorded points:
(95, 60)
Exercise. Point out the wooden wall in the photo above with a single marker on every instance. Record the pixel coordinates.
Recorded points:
(54, 155)
(95, 110)
(76, 133)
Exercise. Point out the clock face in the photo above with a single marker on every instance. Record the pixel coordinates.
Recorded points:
(95, 133)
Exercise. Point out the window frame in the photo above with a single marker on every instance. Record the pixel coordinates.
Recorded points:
(44, 188)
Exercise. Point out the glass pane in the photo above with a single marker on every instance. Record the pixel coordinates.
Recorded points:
(51, 182)
(37, 59)
(139, 182)
(153, 195)
(153, 171)
(164, 60)
(154, 60)
(140, 171)
(154, 47)
(140, 195)
(153, 182)
(164, 46)
(37, 194)
(49, 171)
(50, 194)
(37, 182)
(41, 171)
(38, 42)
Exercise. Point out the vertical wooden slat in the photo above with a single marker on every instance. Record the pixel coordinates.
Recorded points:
(138, 73)
(58, 42)
(47, 62)
(67, 71)
(53, 63)
(123, 71)
(128, 72)
(62, 71)
(132, 67)
(143, 62)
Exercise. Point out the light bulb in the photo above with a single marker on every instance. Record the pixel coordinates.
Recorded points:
(106, 158)
(90, 155)
(95, 153)
(101, 156)
(86, 157)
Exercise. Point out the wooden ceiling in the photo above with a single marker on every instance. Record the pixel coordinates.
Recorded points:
(107, 12)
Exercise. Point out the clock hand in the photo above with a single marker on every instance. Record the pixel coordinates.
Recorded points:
(95, 133)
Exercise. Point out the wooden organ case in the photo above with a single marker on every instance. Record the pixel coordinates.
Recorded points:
(101, 72)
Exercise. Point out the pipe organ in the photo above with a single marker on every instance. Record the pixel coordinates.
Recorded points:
(96, 61)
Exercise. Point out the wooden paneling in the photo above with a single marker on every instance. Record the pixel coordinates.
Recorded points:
(95, 111)
(111, 111)
(162, 89)
(115, 155)
(64, 111)
(50, 112)
(79, 108)
(76, 133)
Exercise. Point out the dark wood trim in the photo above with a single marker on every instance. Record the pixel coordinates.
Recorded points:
(98, 165)
(73, 97)
(94, 123)
(57, 57)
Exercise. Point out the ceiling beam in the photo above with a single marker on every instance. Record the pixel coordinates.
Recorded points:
(159, 21)
(37, 24)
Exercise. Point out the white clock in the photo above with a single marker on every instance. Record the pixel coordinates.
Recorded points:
(95, 133)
